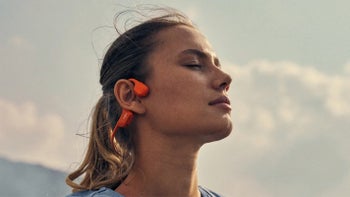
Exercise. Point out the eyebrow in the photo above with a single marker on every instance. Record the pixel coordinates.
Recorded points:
(201, 55)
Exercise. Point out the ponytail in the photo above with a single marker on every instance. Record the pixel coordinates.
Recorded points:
(103, 166)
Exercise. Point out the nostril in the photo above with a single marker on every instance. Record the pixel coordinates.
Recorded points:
(225, 86)
(226, 82)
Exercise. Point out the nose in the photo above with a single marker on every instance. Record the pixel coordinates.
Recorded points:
(222, 81)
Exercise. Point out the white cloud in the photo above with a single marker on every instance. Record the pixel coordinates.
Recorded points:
(333, 90)
(342, 189)
(247, 187)
(347, 67)
(192, 12)
(27, 135)
(264, 119)
(20, 42)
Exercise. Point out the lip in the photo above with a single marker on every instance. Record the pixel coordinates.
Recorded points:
(221, 101)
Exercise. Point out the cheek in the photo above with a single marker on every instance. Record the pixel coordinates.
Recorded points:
(170, 99)
(179, 87)
(174, 104)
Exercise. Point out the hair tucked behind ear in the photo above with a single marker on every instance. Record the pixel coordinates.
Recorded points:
(106, 164)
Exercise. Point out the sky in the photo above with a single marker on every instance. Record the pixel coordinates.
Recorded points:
(290, 94)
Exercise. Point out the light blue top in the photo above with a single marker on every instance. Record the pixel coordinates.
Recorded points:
(106, 192)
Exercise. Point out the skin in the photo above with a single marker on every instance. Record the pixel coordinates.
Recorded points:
(176, 118)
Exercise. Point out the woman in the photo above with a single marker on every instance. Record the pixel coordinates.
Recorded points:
(183, 104)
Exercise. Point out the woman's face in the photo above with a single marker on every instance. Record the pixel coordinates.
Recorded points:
(188, 89)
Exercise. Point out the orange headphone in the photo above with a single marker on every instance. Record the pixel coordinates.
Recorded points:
(141, 90)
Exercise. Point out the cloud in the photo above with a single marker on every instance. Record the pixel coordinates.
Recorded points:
(291, 131)
(347, 67)
(192, 12)
(27, 135)
(342, 189)
(247, 186)
(20, 42)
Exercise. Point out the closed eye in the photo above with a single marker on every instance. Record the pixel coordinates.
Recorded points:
(194, 66)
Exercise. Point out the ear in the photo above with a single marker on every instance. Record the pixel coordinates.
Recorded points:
(126, 97)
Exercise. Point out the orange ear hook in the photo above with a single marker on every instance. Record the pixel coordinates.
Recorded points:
(125, 118)
(140, 88)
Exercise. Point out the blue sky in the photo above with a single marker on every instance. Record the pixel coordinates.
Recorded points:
(289, 60)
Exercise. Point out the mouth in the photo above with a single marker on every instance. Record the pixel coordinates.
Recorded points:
(221, 100)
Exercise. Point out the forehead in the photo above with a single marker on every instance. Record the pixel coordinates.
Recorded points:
(179, 38)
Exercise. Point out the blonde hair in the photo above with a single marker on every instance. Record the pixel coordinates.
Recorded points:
(106, 164)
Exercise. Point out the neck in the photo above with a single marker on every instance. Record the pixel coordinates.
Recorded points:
(162, 168)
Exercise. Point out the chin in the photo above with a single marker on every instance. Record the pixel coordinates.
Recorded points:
(220, 133)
